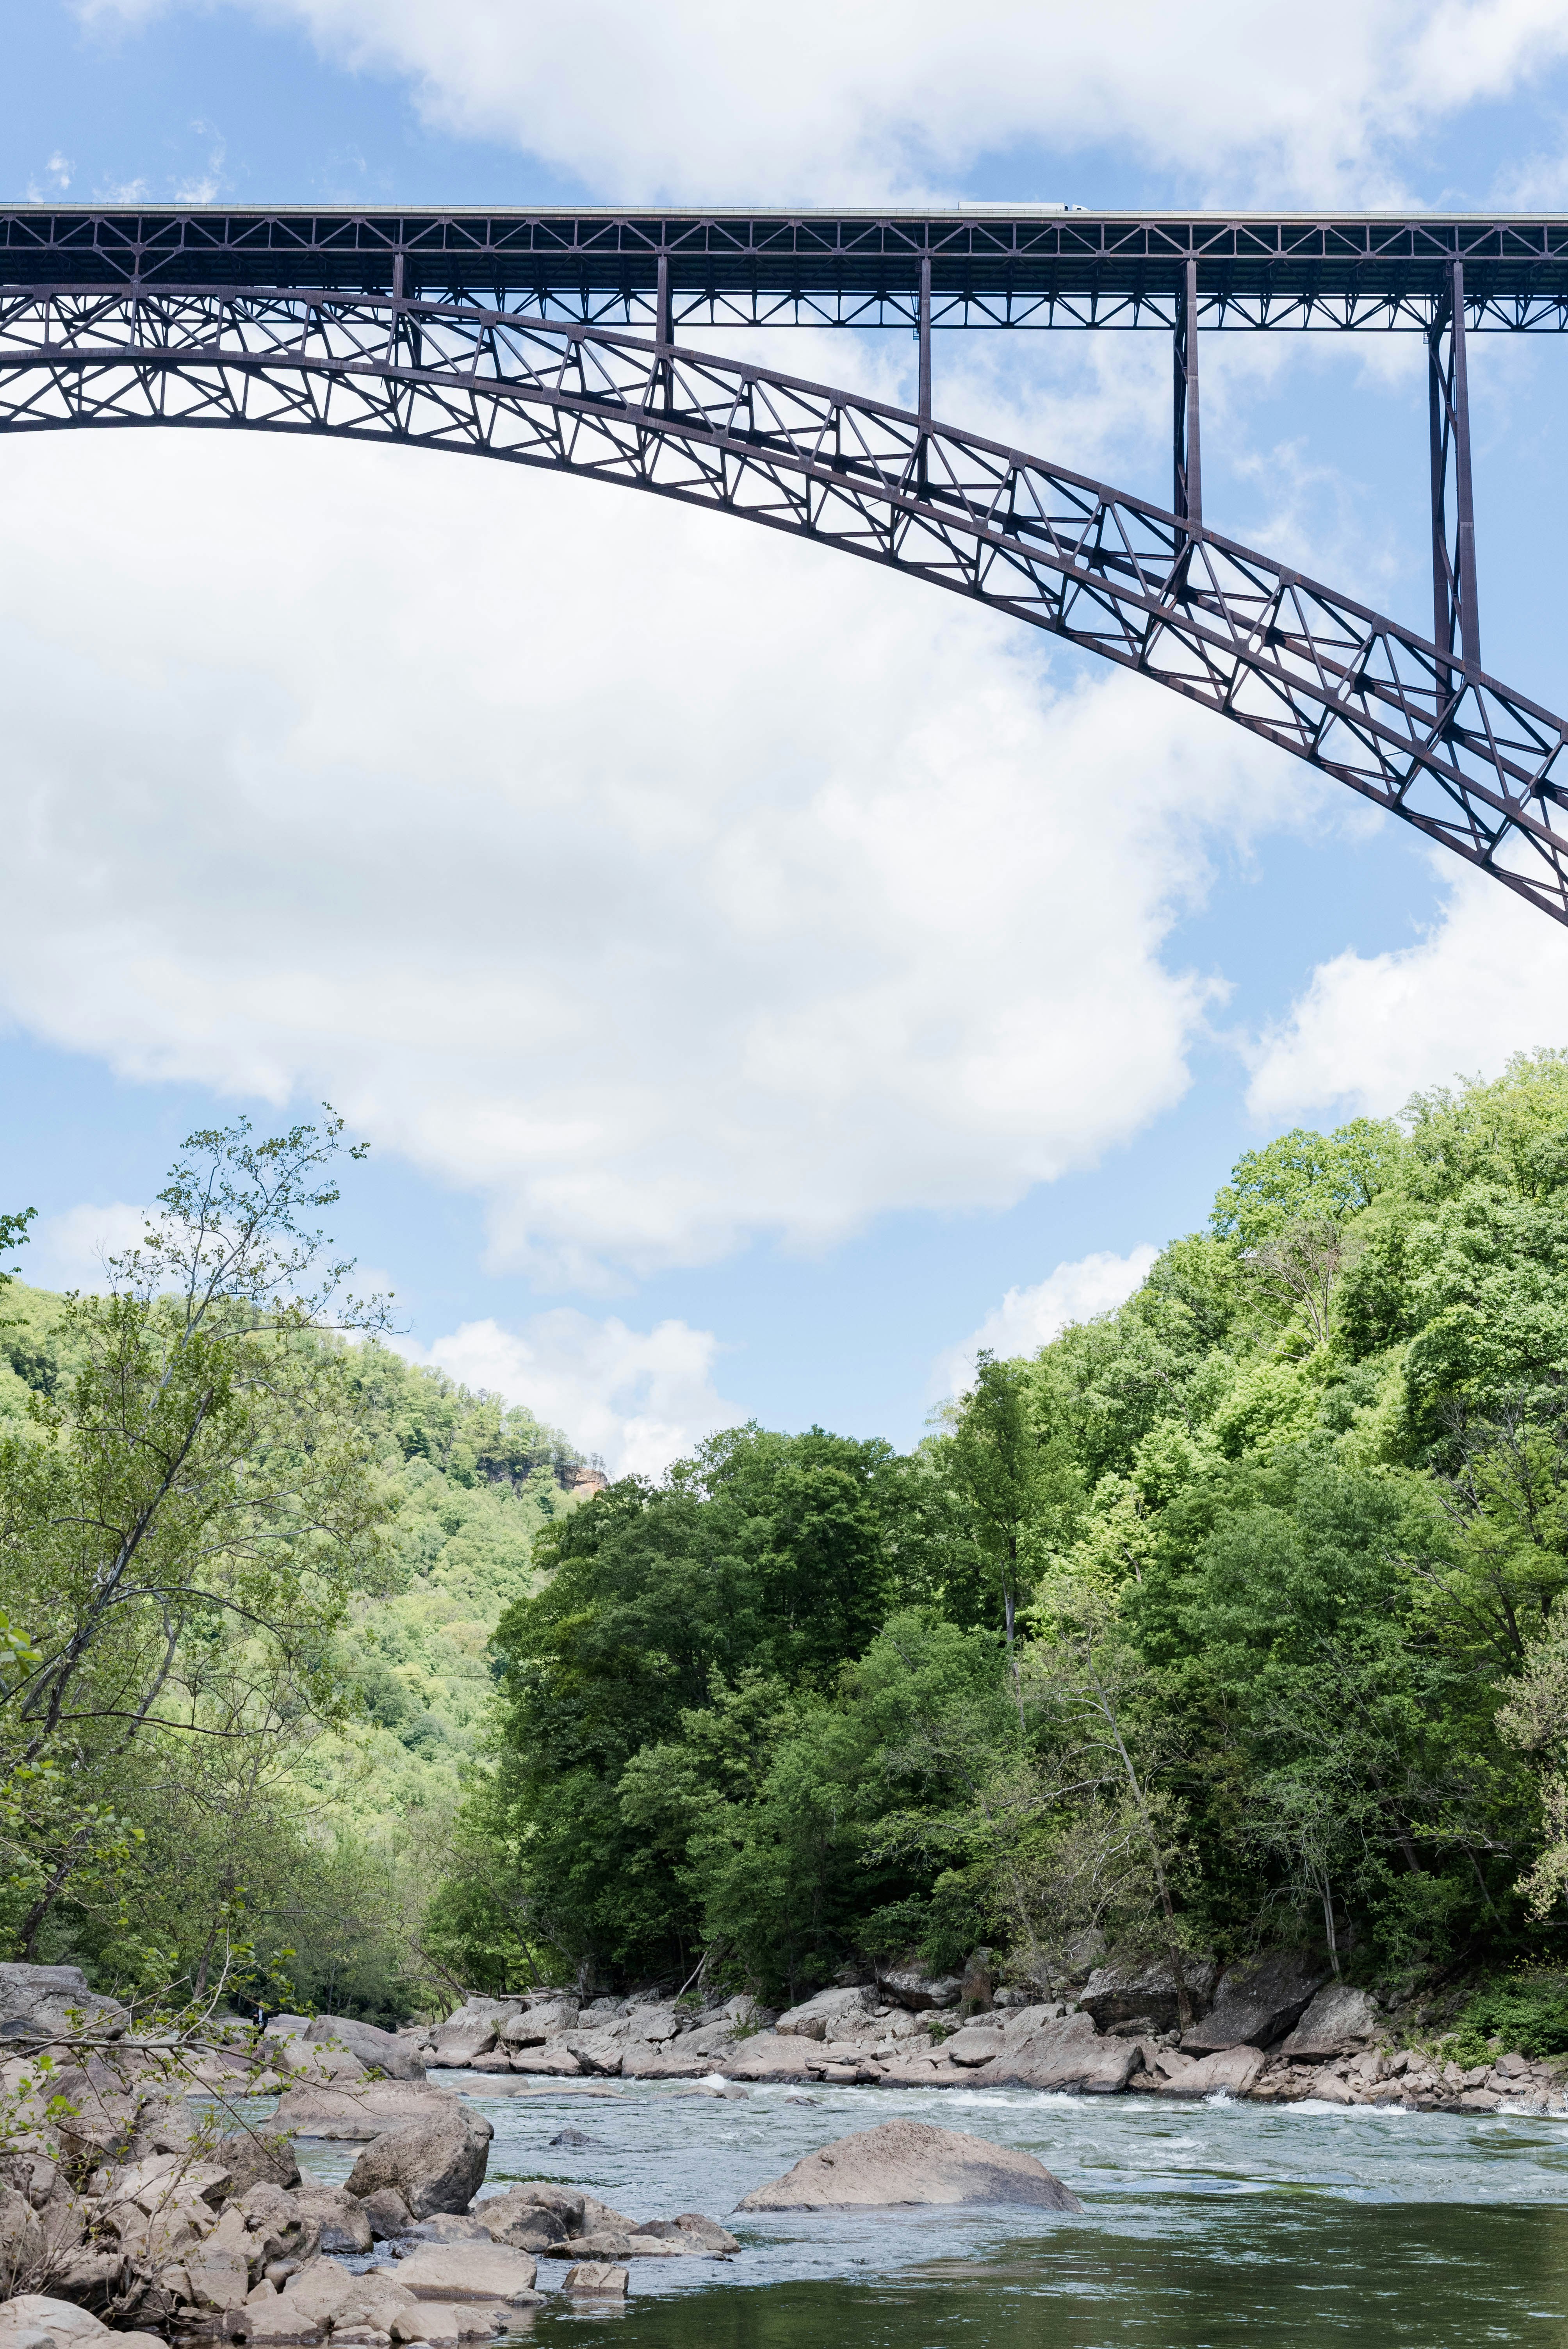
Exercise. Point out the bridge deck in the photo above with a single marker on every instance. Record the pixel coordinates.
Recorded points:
(990, 264)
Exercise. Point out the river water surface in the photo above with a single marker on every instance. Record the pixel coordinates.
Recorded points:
(1310, 2226)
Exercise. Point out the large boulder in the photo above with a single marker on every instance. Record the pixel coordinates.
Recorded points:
(256, 2157)
(1257, 2004)
(905, 2162)
(1140, 1994)
(1339, 2021)
(471, 2031)
(436, 2164)
(917, 1988)
(539, 2214)
(53, 2001)
(377, 2050)
(487, 2270)
(1070, 2055)
(1229, 2072)
(765, 2056)
(542, 2019)
(362, 2111)
(827, 2015)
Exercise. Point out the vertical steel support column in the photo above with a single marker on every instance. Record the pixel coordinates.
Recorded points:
(1456, 611)
(1187, 497)
(925, 331)
(661, 382)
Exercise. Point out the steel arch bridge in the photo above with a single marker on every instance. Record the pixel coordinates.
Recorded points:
(512, 337)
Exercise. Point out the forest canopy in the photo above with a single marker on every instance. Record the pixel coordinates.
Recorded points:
(1228, 1617)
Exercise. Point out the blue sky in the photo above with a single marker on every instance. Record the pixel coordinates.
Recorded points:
(755, 984)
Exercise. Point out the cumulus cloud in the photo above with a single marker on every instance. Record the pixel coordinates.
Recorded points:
(1028, 1319)
(1490, 978)
(891, 97)
(638, 1398)
(661, 882)
(68, 1249)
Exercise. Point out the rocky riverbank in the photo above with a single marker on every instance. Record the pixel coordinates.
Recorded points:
(1273, 2031)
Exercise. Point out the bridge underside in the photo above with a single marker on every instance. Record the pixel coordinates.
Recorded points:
(1409, 723)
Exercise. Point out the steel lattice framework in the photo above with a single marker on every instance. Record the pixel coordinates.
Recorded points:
(1410, 723)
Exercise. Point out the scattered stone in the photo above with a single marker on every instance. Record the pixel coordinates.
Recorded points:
(1257, 2004)
(909, 2162)
(436, 2164)
(596, 2280)
(1338, 2021)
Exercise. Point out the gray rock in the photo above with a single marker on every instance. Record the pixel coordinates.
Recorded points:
(254, 2157)
(1069, 2055)
(54, 2000)
(975, 2044)
(387, 2213)
(459, 2271)
(542, 2019)
(826, 2015)
(436, 2164)
(595, 2280)
(378, 2051)
(915, 1988)
(362, 2111)
(1139, 1995)
(1257, 2004)
(911, 2162)
(1339, 2021)
(1230, 2072)
(336, 2220)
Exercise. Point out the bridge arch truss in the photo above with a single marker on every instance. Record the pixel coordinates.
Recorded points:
(1411, 724)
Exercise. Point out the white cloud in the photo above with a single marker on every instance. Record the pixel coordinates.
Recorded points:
(1490, 978)
(639, 1398)
(830, 103)
(657, 880)
(1028, 1319)
(67, 1249)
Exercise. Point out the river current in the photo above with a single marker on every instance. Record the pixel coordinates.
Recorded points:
(1306, 2227)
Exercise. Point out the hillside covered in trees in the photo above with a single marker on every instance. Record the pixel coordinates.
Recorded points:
(1230, 1618)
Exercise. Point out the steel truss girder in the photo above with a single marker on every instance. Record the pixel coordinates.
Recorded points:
(1391, 715)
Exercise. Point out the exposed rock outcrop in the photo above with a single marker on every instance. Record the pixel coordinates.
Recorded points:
(1142, 1994)
(1338, 2021)
(48, 2001)
(1257, 2003)
(911, 2162)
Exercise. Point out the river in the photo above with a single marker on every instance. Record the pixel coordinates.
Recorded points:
(1306, 2227)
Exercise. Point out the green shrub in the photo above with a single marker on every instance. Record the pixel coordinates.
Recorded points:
(1527, 2012)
